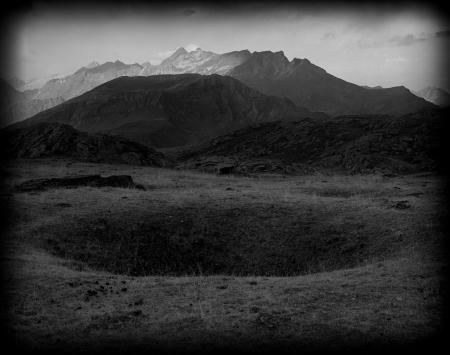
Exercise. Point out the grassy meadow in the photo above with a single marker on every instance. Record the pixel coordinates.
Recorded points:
(198, 261)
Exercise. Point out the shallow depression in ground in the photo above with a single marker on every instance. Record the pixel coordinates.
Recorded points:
(237, 239)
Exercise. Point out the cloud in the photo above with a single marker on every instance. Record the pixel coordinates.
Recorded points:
(410, 39)
(407, 40)
(400, 40)
(364, 43)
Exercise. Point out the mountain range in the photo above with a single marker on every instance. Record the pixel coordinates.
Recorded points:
(312, 87)
(271, 73)
(170, 110)
(181, 61)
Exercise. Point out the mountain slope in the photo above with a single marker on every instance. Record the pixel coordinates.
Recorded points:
(310, 86)
(16, 105)
(170, 110)
(10, 98)
(86, 79)
(60, 140)
(223, 63)
(57, 91)
(350, 143)
(435, 95)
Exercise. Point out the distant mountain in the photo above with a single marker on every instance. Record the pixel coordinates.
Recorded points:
(310, 86)
(59, 140)
(15, 82)
(355, 144)
(37, 83)
(181, 61)
(435, 95)
(26, 106)
(170, 110)
(86, 79)
(7, 89)
(9, 98)
(223, 63)
(306, 84)
(16, 105)
(198, 61)
(58, 90)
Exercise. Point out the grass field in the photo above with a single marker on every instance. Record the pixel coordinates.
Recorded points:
(198, 261)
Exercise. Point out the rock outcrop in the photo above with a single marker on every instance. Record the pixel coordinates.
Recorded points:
(355, 144)
(60, 140)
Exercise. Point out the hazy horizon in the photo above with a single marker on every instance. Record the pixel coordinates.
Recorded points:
(366, 45)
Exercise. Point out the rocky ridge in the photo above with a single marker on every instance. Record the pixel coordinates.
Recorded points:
(59, 140)
(353, 144)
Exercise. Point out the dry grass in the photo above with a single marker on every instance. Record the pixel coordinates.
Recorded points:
(388, 291)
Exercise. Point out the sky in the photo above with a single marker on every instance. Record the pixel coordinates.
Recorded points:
(367, 45)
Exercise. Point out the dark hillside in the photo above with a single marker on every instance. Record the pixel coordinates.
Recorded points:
(170, 110)
(60, 140)
(347, 143)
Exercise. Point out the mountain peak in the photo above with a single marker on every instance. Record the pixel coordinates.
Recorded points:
(179, 51)
(300, 61)
(266, 63)
(269, 53)
(399, 89)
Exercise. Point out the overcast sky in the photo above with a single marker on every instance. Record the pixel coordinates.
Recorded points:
(403, 45)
